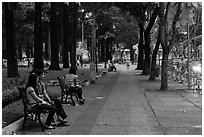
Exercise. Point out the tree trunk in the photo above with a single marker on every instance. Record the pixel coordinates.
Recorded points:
(38, 47)
(12, 67)
(154, 59)
(140, 48)
(47, 44)
(164, 74)
(73, 47)
(54, 41)
(146, 68)
(164, 41)
(66, 34)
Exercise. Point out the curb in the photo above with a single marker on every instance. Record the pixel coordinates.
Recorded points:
(12, 128)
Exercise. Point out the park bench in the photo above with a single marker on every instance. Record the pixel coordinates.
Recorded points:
(104, 73)
(53, 82)
(30, 113)
(65, 91)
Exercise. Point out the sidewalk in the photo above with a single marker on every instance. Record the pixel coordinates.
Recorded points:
(126, 103)
(175, 110)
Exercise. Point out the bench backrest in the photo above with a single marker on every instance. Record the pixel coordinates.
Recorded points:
(61, 82)
(64, 84)
(22, 90)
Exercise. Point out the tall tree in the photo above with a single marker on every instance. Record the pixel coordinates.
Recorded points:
(38, 47)
(54, 41)
(66, 34)
(154, 58)
(166, 46)
(73, 38)
(147, 38)
(12, 69)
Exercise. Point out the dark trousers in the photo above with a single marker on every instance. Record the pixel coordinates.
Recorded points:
(78, 91)
(60, 110)
(52, 109)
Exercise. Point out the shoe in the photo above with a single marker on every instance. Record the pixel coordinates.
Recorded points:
(61, 121)
(81, 102)
(63, 124)
(48, 127)
(53, 124)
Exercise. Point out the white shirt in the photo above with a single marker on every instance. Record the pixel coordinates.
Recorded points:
(31, 100)
(70, 78)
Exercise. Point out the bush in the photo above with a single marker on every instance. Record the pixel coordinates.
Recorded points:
(10, 90)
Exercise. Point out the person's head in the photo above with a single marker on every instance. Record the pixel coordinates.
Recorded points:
(32, 80)
(39, 72)
(72, 70)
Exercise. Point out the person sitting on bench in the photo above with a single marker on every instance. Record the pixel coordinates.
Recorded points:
(61, 115)
(112, 67)
(74, 85)
(34, 99)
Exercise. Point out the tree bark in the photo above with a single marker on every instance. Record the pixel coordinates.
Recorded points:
(38, 47)
(154, 58)
(146, 65)
(47, 44)
(140, 48)
(66, 34)
(147, 49)
(164, 41)
(12, 65)
(73, 46)
(163, 38)
(164, 74)
(54, 41)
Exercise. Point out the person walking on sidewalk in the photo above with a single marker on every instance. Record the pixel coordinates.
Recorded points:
(61, 115)
(35, 100)
(74, 85)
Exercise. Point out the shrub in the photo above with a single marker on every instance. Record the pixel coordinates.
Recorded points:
(10, 91)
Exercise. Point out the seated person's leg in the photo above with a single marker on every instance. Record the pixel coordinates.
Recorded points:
(52, 110)
(114, 68)
(60, 110)
(80, 94)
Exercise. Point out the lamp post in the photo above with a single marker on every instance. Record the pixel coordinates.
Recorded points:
(105, 37)
(189, 72)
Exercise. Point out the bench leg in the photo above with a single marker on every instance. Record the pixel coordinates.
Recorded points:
(62, 96)
(71, 97)
(24, 121)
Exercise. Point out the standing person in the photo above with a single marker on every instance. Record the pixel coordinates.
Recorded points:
(34, 99)
(61, 115)
(74, 85)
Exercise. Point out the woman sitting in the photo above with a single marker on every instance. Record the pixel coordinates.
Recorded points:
(74, 86)
(61, 115)
(35, 100)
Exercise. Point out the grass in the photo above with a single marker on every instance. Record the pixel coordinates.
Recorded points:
(14, 111)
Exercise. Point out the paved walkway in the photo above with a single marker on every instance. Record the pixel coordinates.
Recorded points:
(126, 103)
